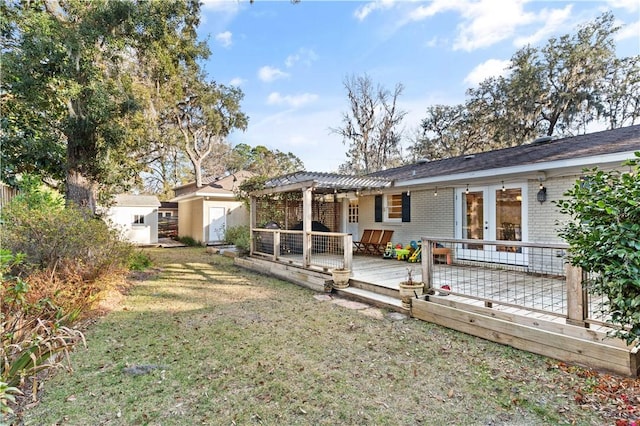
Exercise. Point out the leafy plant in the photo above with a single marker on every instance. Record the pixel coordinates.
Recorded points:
(238, 236)
(32, 335)
(604, 235)
(139, 261)
(7, 395)
(189, 241)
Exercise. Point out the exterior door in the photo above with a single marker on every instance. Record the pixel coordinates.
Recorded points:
(217, 223)
(492, 213)
(351, 213)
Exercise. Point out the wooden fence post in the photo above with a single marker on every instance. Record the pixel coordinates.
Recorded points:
(427, 265)
(577, 299)
(347, 244)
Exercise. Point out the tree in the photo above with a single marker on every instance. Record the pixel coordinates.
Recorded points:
(207, 113)
(78, 66)
(371, 126)
(263, 161)
(603, 231)
(558, 89)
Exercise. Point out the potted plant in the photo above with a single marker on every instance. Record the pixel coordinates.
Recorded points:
(409, 288)
(340, 277)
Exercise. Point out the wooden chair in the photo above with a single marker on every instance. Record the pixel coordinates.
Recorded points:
(379, 247)
(359, 246)
(441, 251)
(373, 239)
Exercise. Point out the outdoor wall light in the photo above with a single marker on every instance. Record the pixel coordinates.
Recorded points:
(542, 194)
(435, 193)
(467, 191)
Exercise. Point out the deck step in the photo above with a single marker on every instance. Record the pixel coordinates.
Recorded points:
(376, 299)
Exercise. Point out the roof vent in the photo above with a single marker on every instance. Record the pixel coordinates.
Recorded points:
(469, 157)
(543, 139)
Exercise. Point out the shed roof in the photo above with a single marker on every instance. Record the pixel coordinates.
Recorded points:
(223, 186)
(133, 200)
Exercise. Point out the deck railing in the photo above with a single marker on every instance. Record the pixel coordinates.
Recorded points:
(315, 250)
(531, 276)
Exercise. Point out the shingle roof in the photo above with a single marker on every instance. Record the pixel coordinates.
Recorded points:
(130, 200)
(590, 145)
(328, 182)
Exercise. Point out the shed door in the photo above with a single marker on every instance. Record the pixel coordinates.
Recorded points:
(217, 223)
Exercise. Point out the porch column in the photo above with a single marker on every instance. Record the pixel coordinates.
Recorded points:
(427, 264)
(252, 223)
(577, 299)
(307, 217)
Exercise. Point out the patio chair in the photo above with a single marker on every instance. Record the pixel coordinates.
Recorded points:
(379, 246)
(365, 239)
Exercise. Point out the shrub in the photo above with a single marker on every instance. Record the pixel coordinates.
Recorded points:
(604, 235)
(238, 236)
(139, 261)
(32, 335)
(189, 241)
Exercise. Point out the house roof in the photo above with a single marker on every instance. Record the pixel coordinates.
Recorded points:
(131, 200)
(222, 186)
(599, 147)
(324, 182)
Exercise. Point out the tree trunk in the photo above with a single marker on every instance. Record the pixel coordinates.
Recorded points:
(80, 190)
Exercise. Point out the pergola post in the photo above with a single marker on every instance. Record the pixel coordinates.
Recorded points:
(252, 223)
(307, 218)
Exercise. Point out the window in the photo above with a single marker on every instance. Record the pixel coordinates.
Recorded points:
(393, 207)
(138, 219)
(353, 211)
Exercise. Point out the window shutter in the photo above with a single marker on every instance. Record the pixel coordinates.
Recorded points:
(378, 208)
(406, 207)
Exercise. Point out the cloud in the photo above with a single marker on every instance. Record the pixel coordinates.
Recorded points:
(362, 12)
(553, 20)
(224, 38)
(221, 5)
(488, 22)
(490, 68)
(628, 31)
(628, 5)
(295, 101)
(237, 81)
(269, 74)
(435, 7)
(303, 55)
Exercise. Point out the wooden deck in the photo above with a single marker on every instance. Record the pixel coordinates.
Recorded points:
(507, 306)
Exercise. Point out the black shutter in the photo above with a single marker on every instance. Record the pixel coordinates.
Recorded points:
(406, 207)
(378, 208)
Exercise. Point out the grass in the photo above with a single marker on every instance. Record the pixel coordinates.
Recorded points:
(205, 342)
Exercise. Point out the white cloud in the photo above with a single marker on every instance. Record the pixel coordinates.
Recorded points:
(628, 5)
(362, 12)
(295, 101)
(221, 5)
(490, 21)
(553, 20)
(269, 74)
(628, 31)
(237, 81)
(490, 68)
(435, 7)
(303, 55)
(225, 38)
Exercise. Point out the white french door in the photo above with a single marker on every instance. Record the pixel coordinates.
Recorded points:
(492, 213)
(217, 223)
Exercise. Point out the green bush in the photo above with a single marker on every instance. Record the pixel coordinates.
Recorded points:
(238, 236)
(604, 235)
(189, 241)
(139, 261)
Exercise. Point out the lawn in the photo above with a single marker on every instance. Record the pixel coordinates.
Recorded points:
(201, 341)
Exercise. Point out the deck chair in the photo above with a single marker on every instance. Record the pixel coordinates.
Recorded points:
(365, 239)
(373, 240)
(380, 246)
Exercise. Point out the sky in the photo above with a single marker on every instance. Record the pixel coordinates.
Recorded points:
(291, 60)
